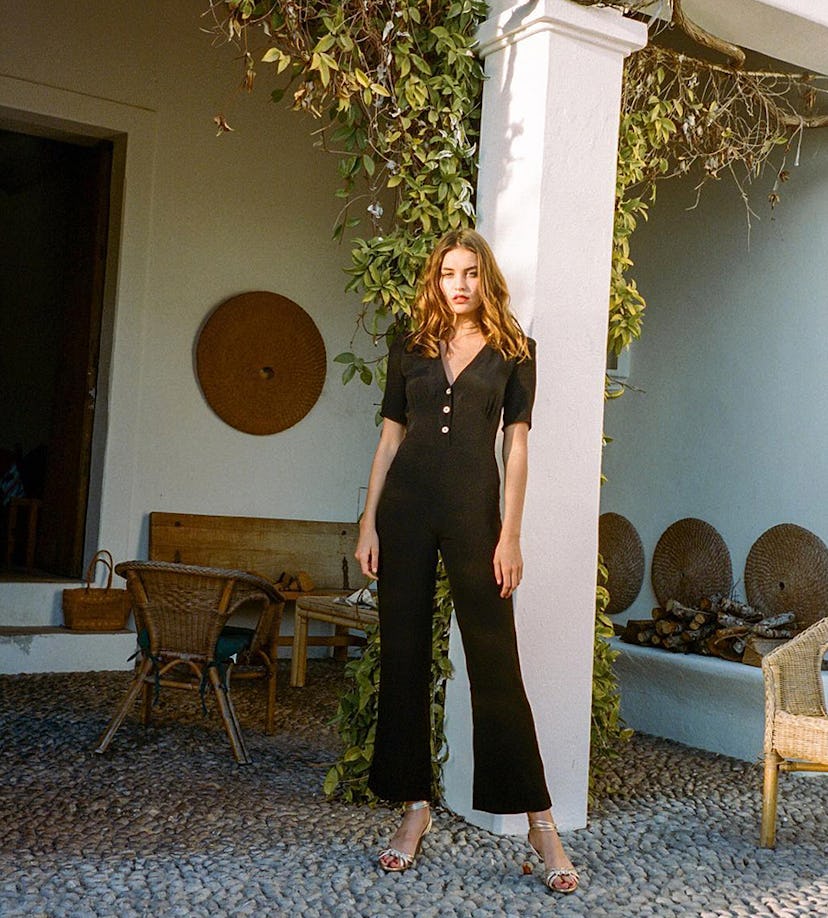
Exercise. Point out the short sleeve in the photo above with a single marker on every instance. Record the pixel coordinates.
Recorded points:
(394, 402)
(520, 390)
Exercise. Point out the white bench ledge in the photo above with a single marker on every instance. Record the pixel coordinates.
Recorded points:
(49, 649)
(700, 701)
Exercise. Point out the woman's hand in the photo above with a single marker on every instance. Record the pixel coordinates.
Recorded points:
(367, 551)
(508, 565)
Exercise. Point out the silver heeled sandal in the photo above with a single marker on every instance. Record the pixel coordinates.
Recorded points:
(406, 860)
(554, 873)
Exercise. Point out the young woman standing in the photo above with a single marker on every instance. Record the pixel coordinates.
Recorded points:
(435, 486)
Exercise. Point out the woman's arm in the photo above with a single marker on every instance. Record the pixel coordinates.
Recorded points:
(508, 561)
(367, 551)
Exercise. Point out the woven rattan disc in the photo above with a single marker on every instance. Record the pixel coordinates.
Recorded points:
(620, 547)
(787, 571)
(261, 362)
(690, 562)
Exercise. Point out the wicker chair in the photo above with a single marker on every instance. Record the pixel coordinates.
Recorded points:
(181, 613)
(796, 722)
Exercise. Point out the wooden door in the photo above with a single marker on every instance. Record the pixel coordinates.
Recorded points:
(66, 492)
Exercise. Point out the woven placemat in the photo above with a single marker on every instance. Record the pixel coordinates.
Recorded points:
(261, 362)
(691, 562)
(787, 571)
(620, 546)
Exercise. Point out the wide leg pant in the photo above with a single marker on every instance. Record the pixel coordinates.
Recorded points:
(508, 772)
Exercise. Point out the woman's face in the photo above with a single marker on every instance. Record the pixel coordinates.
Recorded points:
(459, 283)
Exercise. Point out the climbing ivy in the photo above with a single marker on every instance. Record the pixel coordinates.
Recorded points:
(397, 89)
(356, 717)
(608, 733)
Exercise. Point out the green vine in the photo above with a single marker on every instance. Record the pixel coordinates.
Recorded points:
(608, 733)
(398, 88)
(356, 717)
(644, 135)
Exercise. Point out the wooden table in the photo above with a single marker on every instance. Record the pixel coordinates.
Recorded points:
(322, 609)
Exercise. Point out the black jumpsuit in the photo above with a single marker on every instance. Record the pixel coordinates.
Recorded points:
(442, 492)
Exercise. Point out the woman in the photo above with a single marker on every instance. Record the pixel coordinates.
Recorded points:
(435, 486)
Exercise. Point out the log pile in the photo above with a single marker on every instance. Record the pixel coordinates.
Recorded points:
(719, 626)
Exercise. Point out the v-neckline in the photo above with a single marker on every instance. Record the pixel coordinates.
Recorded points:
(447, 368)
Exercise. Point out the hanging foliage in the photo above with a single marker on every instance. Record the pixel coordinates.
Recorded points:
(397, 87)
(686, 116)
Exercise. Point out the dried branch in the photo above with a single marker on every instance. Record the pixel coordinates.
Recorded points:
(721, 117)
(702, 37)
(800, 121)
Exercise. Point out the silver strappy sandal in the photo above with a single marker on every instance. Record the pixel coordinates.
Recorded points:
(406, 860)
(554, 873)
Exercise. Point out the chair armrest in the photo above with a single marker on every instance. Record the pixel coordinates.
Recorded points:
(792, 673)
(253, 587)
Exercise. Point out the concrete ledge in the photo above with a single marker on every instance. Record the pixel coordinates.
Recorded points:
(699, 701)
(57, 650)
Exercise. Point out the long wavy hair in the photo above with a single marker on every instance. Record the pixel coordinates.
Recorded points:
(434, 316)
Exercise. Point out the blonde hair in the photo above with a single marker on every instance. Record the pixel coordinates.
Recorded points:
(434, 317)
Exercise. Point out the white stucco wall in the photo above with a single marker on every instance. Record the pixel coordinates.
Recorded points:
(204, 217)
(731, 426)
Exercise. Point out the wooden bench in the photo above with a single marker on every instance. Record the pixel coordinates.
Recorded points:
(270, 547)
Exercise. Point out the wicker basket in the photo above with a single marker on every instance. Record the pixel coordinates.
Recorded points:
(787, 571)
(90, 609)
(690, 562)
(620, 546)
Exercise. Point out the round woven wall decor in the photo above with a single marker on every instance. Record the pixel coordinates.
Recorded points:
(690, 562)
(620, 547)
(261, 362)
(787, 571)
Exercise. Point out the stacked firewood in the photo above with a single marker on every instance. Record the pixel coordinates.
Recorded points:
(719, 626)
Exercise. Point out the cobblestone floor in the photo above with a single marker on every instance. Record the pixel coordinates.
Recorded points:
(166, 824)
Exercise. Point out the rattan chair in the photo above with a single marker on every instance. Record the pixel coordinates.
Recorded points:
(181, 614)
(796, 722)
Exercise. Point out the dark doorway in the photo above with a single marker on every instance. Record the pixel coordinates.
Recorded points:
(54, 222)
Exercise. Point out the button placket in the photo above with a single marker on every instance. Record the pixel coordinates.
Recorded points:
(446, 428)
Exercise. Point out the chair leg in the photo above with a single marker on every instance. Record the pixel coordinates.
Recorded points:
(134, 690)
(341, 652)
(229, 718)
(767, 838)
(270, 719)
(146, 703)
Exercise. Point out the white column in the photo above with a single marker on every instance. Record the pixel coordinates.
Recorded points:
(545, 200)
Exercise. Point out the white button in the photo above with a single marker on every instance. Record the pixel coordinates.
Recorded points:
(445, 429)
(446, 409)
(448, 391)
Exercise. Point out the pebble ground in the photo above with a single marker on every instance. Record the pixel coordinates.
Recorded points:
(166, 824)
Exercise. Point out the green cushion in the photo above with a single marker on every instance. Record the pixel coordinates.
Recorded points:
(232, 640)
